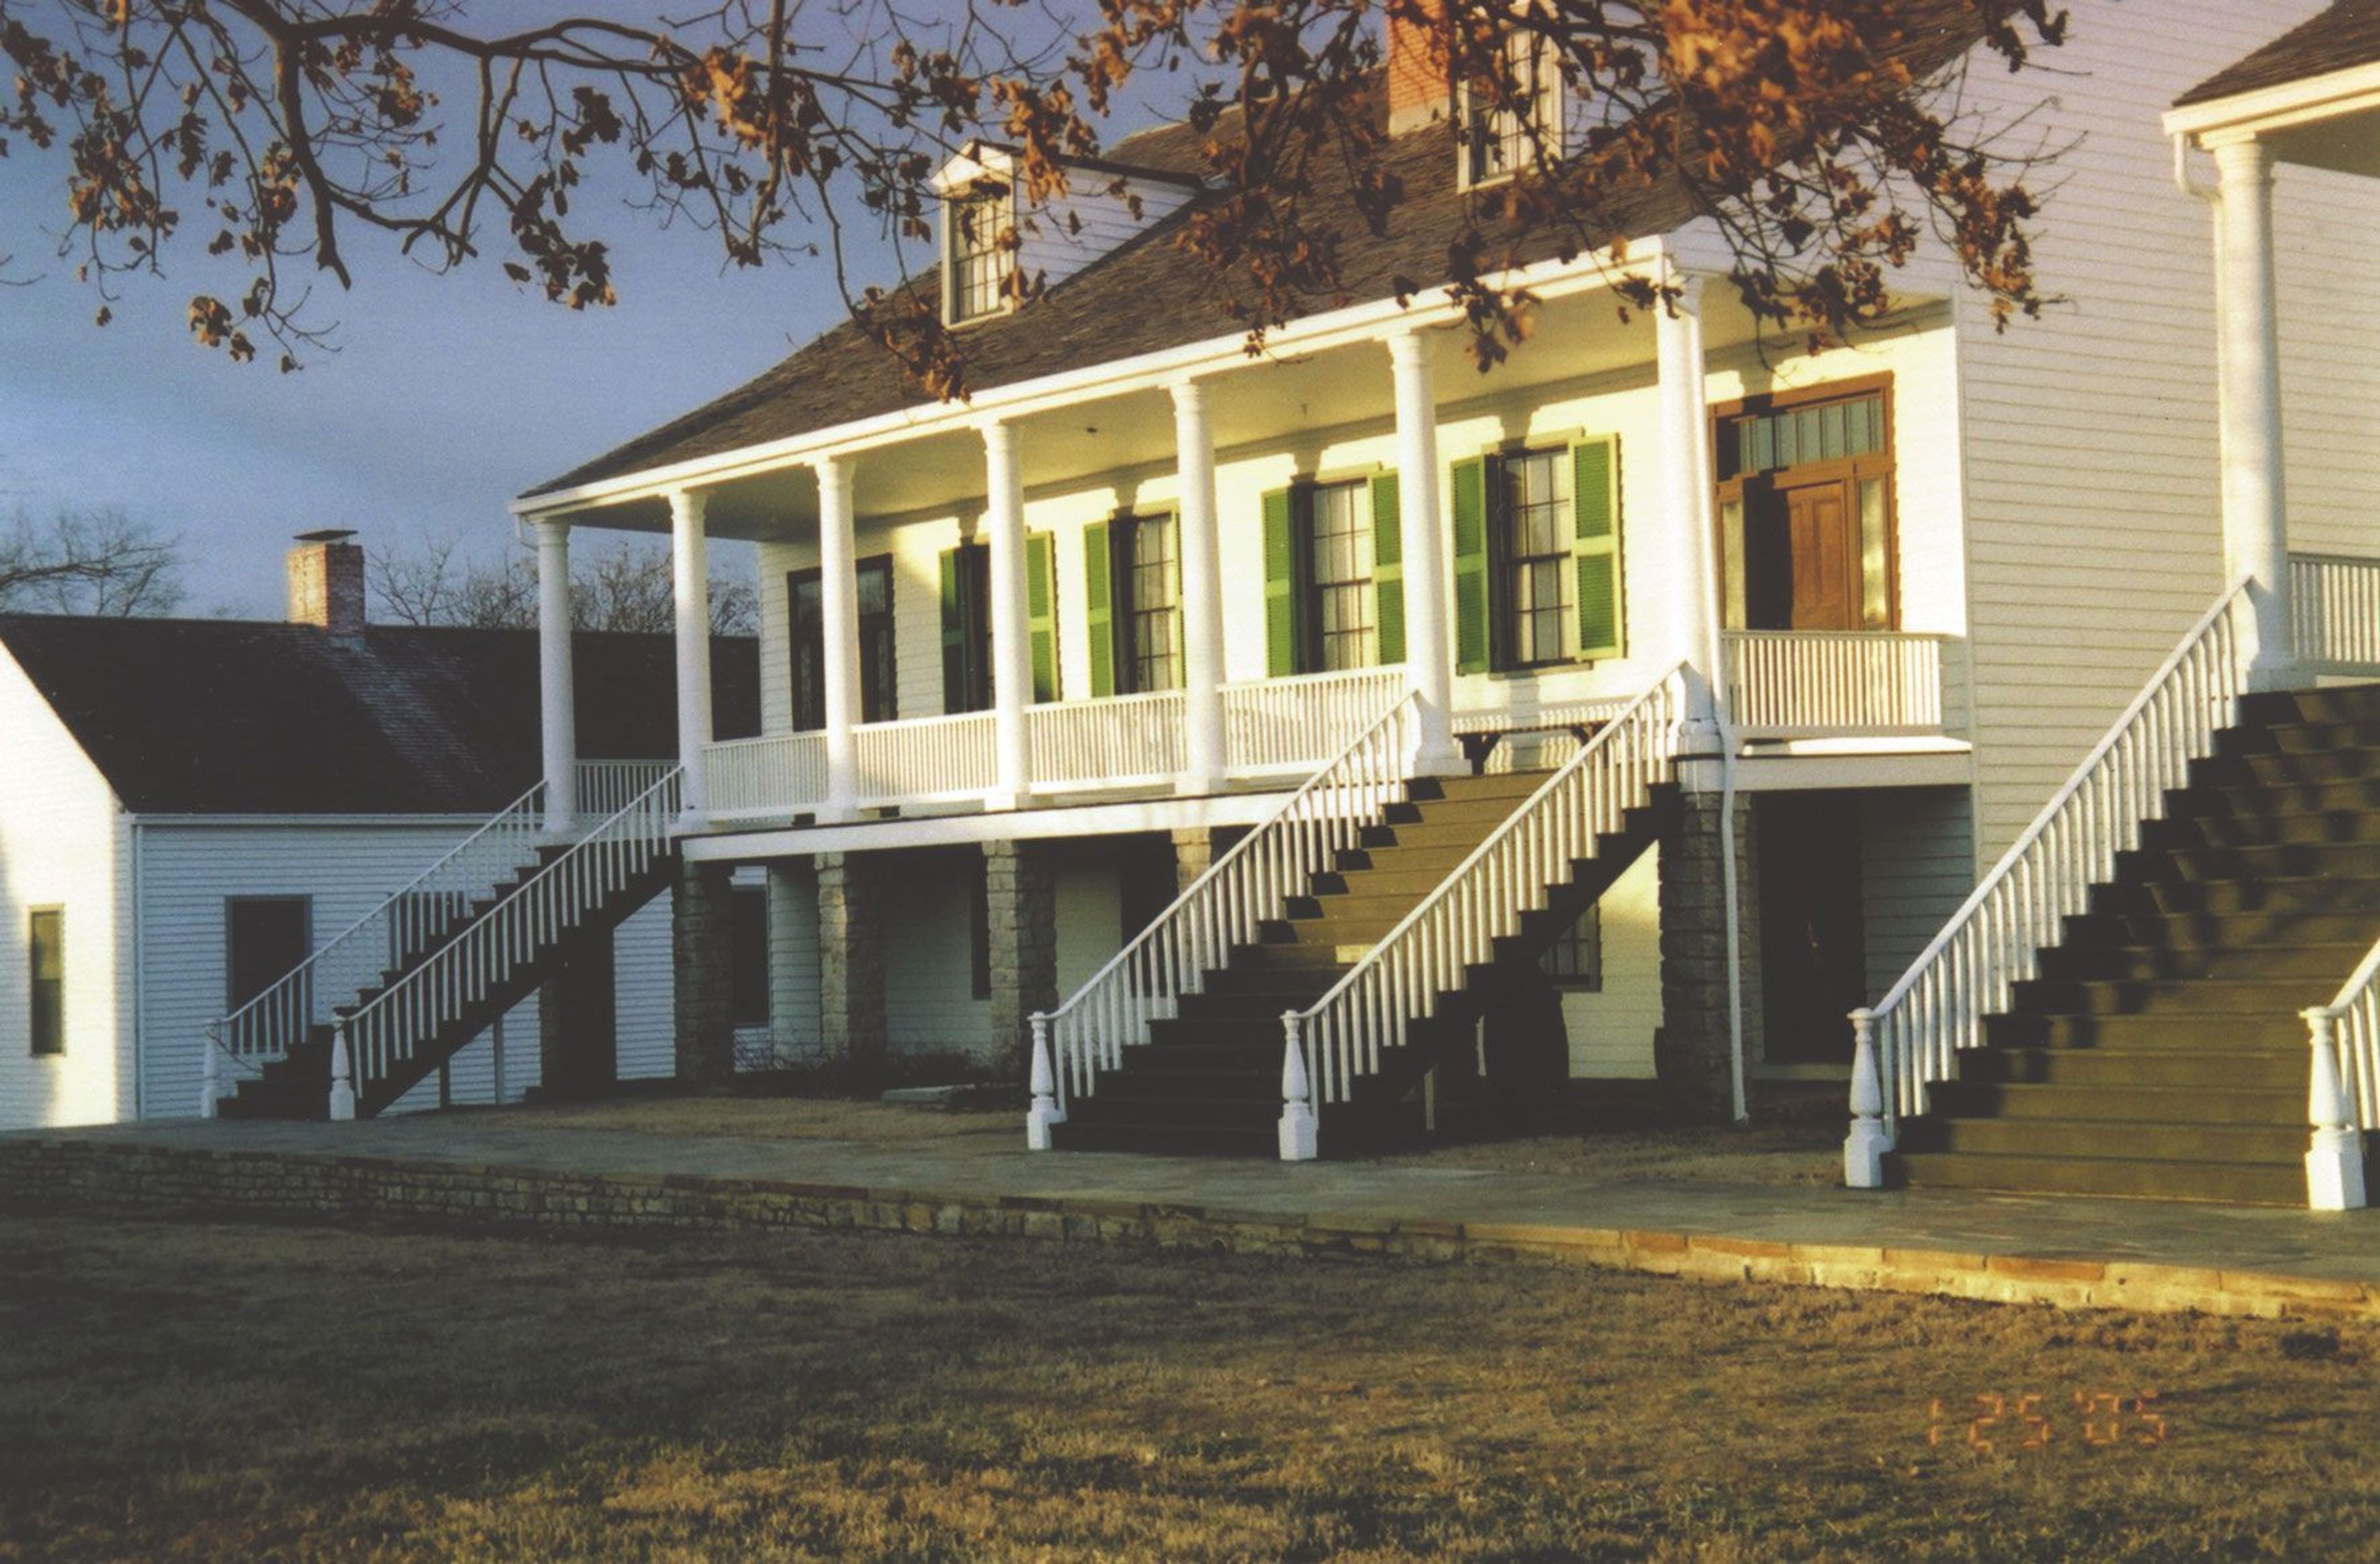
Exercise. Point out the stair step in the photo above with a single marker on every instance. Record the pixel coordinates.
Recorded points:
(2346, 765)
(1217, 1032)
(2289, 860)
(1462, 836)
(2276, 1029)
(2213, 1103)
(2096, 962)
(2169, 995)
(2282, 1144)
(2138, 1177)
(2169, 1068)
(1193, 1102)
(2281, 828)
(2330, 704)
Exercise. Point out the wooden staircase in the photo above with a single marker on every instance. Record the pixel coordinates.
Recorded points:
(1208, 1080)
(298, 1084)
(2160, 1051)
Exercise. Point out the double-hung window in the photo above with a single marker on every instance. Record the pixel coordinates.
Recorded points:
(980, 239)
(1500, 140)
(1334, 577)
(1132, 571)
(877, 673)
(1537, 557)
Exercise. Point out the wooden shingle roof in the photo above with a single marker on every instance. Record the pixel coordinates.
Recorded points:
(2344, 36)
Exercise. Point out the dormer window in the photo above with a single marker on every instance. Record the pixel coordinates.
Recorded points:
(979, 251)
(1500, 142)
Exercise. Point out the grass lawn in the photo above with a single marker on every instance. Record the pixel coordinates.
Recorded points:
(226, 1390)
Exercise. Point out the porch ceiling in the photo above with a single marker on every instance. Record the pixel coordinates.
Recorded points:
(942, 471)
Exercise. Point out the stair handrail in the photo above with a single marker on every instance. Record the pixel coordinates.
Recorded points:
(1221, 908)
(280, 1015)
(1911, 1038)
(382, 1033)
(1340, 1038)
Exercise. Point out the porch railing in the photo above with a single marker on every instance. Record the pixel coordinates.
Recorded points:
(1339, 1038)
(1146, 980)
(1294, 724)
(2335, 613)
(1123, 741)
(371, 1043)
(1912, 1036)
(410, 921)
(1820, 683)
(775, 774)
(930, 760)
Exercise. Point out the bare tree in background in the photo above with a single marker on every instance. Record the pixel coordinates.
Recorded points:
(627, 586)
(1817, 135)
(96, 562)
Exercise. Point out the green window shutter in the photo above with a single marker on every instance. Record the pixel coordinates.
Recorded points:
(1471, 640)
(1280, 585)
(1041, 612)
(1098, 607)
(1595, 465)
(955, 647)
(1389, 567)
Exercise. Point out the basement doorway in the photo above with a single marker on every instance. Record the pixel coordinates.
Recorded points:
(1812, 925)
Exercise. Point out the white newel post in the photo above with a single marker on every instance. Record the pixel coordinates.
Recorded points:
(1301, 1132)
(1864, 1148)
(1045, 1111)
(1687, 620)
(690, 578)
(2255, 520)
(557, 715)
(343, 1085)
(1012, 650)
(1429, 642)
(839, 628)
(211, 1089)
(1202, 592)
(2333, 1159)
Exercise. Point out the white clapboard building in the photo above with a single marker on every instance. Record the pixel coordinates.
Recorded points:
(202, 823)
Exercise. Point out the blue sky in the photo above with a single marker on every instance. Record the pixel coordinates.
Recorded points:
(447, 395)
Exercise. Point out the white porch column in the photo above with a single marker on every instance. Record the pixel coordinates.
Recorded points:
(839, 626)
(1429, 651)
(1686, 628)
(557, 714)
(690, 578)
(1012, 651)
(1202, 592)
(2255, 521)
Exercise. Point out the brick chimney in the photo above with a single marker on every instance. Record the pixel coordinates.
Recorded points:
(326, 582)
(1418, 92)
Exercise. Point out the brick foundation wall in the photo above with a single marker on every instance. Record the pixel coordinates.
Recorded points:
(702, 952)
(1690, 1054)
(851, 958)
(1021, 888)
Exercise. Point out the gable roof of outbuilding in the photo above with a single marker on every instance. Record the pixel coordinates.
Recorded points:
(210, 717)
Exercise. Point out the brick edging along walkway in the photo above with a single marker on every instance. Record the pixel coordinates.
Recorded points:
(47, 1173)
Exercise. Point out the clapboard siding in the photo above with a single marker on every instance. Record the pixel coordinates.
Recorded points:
(794, 961)
(60, 846)
(643, 997)
(1611, 1030)
(1917, 852)
(2093, 498)
(929, 1003)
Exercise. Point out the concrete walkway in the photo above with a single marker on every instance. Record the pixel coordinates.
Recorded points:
(2068, 1251)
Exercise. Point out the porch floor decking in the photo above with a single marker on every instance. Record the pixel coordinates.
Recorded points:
(2075, 1250)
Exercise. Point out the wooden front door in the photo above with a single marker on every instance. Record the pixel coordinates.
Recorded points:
(1824, 555)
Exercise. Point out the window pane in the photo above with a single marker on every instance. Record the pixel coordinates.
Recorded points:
(1536, 548)
(748, 908)
(1875, 575)
(1731, 546)
(46, 931)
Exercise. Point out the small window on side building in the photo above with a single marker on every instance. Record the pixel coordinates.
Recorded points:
(1575, 960)
(46, 936)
